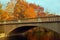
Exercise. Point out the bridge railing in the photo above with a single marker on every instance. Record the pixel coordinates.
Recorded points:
(39, 19)
(51, 18)
(42, 19)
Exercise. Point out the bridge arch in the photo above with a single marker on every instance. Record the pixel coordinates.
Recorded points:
(22, 29)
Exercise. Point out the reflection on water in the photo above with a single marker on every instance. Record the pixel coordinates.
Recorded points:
(34, 33)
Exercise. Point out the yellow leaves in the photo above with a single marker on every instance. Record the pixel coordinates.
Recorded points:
(4, 15)
(10, 6)
(11, 18)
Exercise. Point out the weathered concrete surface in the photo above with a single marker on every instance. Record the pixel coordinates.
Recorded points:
(55, 26)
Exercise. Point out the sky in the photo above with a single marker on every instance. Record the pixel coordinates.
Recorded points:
(53, 6)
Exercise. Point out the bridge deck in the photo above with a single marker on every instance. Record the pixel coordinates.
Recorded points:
(27, 20)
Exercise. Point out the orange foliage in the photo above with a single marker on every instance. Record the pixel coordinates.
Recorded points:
(23, 10)
(11, 18)
(4, 15)
(41, 14)
(7, 13)
(30, 13)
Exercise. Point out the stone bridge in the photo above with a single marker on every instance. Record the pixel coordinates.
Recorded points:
(52, 23)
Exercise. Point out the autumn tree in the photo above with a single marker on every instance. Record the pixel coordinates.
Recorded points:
(4, 15)
(7, 14)
(19, 8)
(22, 10)
(30, 13)
(10, 6)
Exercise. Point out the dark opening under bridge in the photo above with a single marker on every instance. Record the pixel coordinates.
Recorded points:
(52, 23)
